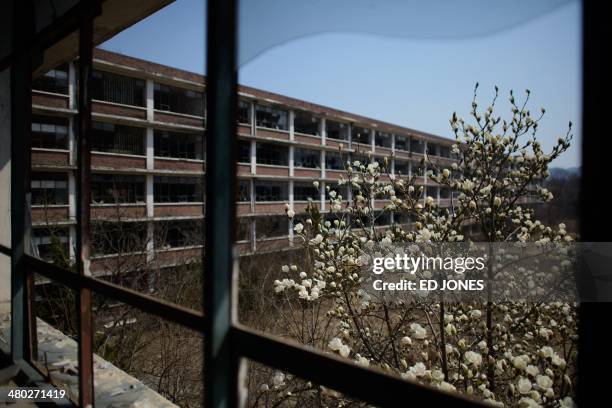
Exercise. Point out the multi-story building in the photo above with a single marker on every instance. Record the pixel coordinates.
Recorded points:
(149, 152)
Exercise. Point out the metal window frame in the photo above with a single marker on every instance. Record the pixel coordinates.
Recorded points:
(227, 342)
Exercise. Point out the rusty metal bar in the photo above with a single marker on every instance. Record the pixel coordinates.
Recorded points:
(220, 369)
(83, 176)
(157, 307)
(339, 374)
(21, 116)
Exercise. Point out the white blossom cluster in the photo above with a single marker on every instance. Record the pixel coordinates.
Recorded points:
(508, 354)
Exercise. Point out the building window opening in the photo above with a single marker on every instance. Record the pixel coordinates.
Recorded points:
(117, 188)
(271, 117)
(304, 122)
(111, 138)
(169, 189)
(54, 81)
(336, 130)
(49, 188)
(305, 192)
(272, 154)
(172, 99)
(244, 112)
(308, 158)
(271, 191)
(49, 132)
(179, 145)
(383, 139)
(360, 135)
(117, 88)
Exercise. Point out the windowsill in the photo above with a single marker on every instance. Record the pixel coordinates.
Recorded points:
(114, 387)
(133, 156)
(272, 202)
(180, 203)
(121, 105)
(49, 149)
(184, 115)
(118, 204)
(42, 206)
(307, 168)
(51, 93)
(307, 135)
(278, 166)
(272, 129)
(199, 161)
(176, 249)
(272, 238)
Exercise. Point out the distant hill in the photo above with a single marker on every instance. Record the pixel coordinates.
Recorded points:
(564, 173)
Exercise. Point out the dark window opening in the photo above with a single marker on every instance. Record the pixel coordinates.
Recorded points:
(243, 229)
(172, 99)
(244, 191)
(55, 81)
(244, 112)
(402, 143)
(272, 118)
(49, 132)
(305, 192)
(50, 244)
(117, 188)
(111, 138)
(178, 189)
(360, 135)
(402, 167)
(49, 188)
(179, 145)
(307, 158)
(271, 191)
(244, 151)
(383, 139)
(179, 234)
(119, 238)
(304, 122)
(417, 145)
(333, 161)
(273, 154)
(271, 226)
(336, 130)
(117, 89)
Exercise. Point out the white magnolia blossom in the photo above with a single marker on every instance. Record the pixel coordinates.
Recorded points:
(325, 302)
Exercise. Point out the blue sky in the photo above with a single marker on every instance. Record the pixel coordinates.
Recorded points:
(416, 79)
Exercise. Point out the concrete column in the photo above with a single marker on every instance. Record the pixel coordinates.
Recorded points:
(72, 242)
(72, 86)
(71, 196)
(323, 132)
(393, 143)
(373, 140)
(71, 142)
(253, 157)
(323, 199)
(291, 160)
(323, 171)
(150, 94)
(350, 136)
(253, 117)
(291, 125)
(150, 148)
(150, 199)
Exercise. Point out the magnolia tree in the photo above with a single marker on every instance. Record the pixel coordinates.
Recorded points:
(510, 353)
